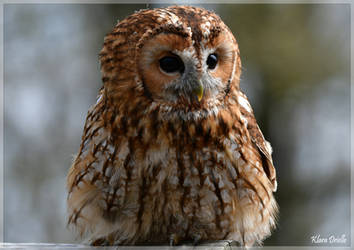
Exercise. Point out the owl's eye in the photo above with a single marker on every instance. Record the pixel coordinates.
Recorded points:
(171, 64)
(212, 60)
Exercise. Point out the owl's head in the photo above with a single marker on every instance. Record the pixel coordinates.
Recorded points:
(182, 58)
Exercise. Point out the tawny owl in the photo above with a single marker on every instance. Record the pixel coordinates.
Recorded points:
(171, 151)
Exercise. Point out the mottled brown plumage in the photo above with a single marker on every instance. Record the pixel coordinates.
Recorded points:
(168, 157)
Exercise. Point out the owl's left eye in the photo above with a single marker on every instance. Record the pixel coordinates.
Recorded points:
(212, 60)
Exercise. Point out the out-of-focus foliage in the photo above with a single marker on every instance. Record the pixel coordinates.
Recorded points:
(296, 72)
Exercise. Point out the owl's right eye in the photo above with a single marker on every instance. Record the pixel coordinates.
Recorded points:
(171, 64)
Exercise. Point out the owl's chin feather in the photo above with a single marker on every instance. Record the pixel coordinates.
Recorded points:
(187, 112)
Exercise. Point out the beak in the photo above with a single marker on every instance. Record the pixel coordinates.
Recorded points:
(198, 91)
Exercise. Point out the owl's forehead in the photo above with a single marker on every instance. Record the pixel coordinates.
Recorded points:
(192, 18)
(196, 23)
(199, 24)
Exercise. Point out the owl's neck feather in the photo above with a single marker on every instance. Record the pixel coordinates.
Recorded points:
(132, 114)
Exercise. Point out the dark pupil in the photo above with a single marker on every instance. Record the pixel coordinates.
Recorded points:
(212, 61)
(171, 64)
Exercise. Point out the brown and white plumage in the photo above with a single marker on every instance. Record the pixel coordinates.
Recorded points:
(171, 156)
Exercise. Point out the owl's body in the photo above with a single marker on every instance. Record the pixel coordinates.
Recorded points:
(171, 151)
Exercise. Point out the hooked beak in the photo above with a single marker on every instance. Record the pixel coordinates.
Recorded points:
(198, 91)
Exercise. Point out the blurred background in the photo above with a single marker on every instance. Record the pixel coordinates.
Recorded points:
(296, 73)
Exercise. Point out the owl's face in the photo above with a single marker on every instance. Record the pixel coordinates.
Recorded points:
(186, 59)
(177, 72)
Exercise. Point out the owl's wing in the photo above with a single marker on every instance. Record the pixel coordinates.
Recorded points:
(96, 180)
(258, 139)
